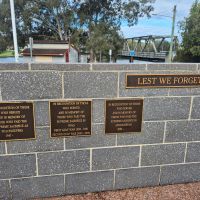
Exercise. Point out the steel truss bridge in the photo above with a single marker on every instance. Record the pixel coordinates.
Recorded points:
(149, 48)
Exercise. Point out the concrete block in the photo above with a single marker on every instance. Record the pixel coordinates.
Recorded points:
(166, 108)
(152, 132)
(41, 113)
(89, 182)
(30, 85)
(137, 177)
(182, 131)
(98, 110)
(42, 143)
(97, 139)
(193, 152)
(90, 84)
(5, 192)
(112, 158)
(172, 66)
(196, 108)
(180, 174)
(28, 188)
(162, 154)
(63, 162)
(60, 67)
(2, 147)
(13, 66)
(118, 67)
(17, 166)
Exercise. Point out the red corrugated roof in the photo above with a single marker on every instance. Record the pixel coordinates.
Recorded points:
(44, 52)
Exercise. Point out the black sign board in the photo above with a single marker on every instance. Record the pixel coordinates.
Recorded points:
(16, 121)
(123, 116)
(161, 80)
(70, 118)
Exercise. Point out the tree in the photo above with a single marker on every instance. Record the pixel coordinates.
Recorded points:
(92, 13)
(190, 30)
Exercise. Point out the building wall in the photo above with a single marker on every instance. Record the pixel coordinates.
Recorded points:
(50, 46)
(167, 151)
(73, 55)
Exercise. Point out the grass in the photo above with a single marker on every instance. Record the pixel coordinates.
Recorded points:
(5, 54)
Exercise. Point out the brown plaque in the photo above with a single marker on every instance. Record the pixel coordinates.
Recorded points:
(16, 121)
(70, 118)
(123, 116)
(160, 80)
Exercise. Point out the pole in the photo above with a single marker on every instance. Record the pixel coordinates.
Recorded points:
(31, 47)
(172, 35)
(14, 30)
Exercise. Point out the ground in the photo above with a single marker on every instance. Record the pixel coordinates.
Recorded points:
(171, 192)
(6, 54)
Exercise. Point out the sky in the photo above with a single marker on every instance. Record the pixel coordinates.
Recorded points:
(158, 25)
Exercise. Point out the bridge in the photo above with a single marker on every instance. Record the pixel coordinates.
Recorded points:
(149, 48)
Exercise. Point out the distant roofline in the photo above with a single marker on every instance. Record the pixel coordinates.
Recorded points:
(50, 42)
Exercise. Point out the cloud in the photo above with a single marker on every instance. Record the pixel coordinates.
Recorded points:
(157, 25)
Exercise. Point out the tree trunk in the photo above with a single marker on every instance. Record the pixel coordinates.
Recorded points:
(91, 55)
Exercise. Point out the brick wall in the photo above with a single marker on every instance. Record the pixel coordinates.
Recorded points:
(167, 151)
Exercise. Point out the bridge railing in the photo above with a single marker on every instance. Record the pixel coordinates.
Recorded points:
(162, 54)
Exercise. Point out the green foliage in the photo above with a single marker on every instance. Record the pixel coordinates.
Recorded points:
(190, 31)
(93, 25)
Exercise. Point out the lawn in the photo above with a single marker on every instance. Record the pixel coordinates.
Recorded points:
(6, 54)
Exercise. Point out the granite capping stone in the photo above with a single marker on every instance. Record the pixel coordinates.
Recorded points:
(13, 66)
(2, 148)
(193, 152)
(5, 191)
(138, 92)
(15, 166)
(90, 84)
(183, 173)
(89, 182)
(63, 162)
(152, 132)
(97, 139)
(61, 67)
(98, 110)
(137, 177)
(41, 113)
(172, 66)
(47, 186)
(166, 108)
(118, 67)
(162, 154)
(182, 131)
(30, 85)
(42, 143)
(196, 108)
(112, 158)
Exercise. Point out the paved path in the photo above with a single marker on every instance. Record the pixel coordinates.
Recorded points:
(171, 192)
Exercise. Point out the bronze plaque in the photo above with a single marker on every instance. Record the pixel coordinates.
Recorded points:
(123, 116)
(70, 118)
(16, 121)
(160, 80)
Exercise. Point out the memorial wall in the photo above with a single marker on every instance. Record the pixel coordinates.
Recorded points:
(78, 128)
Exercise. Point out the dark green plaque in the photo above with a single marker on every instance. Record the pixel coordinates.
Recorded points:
(16, 121)
(123, 116)
(70, 118)
(162, 80)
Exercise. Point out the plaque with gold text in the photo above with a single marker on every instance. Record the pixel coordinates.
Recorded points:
(123, 116)
(16, 121)
(70, 118)
(160, 80)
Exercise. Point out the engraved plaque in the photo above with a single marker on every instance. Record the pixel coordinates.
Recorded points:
(16, 121)
(160, 80)
(123, 116)
(70, 118)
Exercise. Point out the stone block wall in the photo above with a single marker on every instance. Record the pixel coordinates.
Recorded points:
(167, 151)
